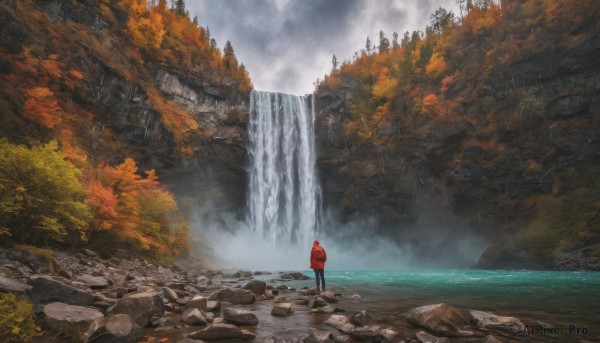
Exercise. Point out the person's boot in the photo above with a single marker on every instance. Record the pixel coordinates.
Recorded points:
(318, 289)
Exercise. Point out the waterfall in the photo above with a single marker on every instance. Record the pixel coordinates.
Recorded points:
(284, 195)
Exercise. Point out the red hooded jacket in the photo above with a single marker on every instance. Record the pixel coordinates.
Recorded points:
(314, 264)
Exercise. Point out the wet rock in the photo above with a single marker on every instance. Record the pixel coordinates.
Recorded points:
(492, 321)
(280, 299)
(329, 297)
(439, 318)
(355, 296)
(325, 309)
(360, 318)
(301, 301)
(216, 332)
(347, 328)
(317, 302)
(198, 302)
(203, 281)
(89, 253)
(282, 339)
(247, 335)
(13, 286)
(283, 309)
(491, 339)
(293, 276)
(76, 321)
(240, 316)
(141, 307)
(425, 337)
(339, 338)
(269, 294)
(66, 273)
(234, 296)
(256, 286)
(337, 321)
(212, 305)
(93, 282)
(318, 337)
(388, 335)
(365, 333)
(48, 289)
(193, 316)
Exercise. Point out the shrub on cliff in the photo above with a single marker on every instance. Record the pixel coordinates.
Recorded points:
(16, 319)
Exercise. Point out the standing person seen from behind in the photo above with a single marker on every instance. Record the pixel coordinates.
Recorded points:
(318, 256)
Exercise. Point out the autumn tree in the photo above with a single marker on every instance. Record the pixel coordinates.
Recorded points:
(41, 195)
(384, 43)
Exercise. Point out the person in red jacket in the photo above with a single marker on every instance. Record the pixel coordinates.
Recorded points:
(318, 256)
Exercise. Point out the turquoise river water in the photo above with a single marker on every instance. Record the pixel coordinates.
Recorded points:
(548, 298)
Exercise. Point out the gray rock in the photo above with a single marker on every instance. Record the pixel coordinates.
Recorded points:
(347, 328)
(89, 253)
(93, 282)
(337, 321)
(441, 319)
(66, 273)
(13, 286)
(216, 332)
(318, 337)
(212, 305)
(240, 316)
(234, 296)
(256, 286)
(198, 302)
(193, 316)
(203, 281)
(365, 333)
(48, 289)
(356, 296)
(491, 339)
(388, 335)
(317, 301)
(340, 338)
(492, 321)
(325, 309)
(425, 337)
(360, 318)
(118, 328)
(329, 297)
(283, 309)
(247, 335)
(141, 307)
(169, 294)
(37, 262)
(76, 321)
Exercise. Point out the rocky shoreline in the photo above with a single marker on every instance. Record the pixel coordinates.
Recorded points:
(81, 297)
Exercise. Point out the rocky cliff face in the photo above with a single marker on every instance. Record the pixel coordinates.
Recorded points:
(440, 176)
(125, 123)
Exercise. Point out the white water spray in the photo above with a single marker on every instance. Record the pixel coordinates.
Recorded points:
(284, 194)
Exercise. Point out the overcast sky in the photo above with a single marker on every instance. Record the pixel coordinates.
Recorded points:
(287, 44)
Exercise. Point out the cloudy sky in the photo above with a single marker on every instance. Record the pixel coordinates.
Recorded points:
(287, 44)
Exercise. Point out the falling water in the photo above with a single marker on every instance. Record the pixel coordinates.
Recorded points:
(284, 194)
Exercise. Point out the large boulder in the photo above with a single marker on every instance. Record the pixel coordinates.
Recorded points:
(8, 285)
(317, 301)
(318, 337)
(256, 286)
(283, 309)
(141, 307)
(360, 318)
(329, 297)
(234, 296)
(217, 332)
(492, 321)
(239, 316)
(439, 318)
(47, 289)
(76, 321)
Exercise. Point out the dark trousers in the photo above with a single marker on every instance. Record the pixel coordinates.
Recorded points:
(320, 276)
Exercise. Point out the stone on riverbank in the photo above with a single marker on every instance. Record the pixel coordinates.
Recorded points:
(234, 296)
(439, 318)
(76, 321)
(13, 286)
(256, 286)
(48, 289)
(337, 321)
(283, 309)
(193, 316)
(492, 321)
(141, 307)
(217, 332)
(240, 316)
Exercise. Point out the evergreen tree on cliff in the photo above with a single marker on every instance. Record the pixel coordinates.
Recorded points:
(229, 56)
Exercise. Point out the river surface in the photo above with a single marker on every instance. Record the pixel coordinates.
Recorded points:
(546, 298)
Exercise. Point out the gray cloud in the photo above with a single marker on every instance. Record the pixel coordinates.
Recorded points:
(287, 44)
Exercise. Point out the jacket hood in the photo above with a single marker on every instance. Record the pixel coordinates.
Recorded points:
(316, 242)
